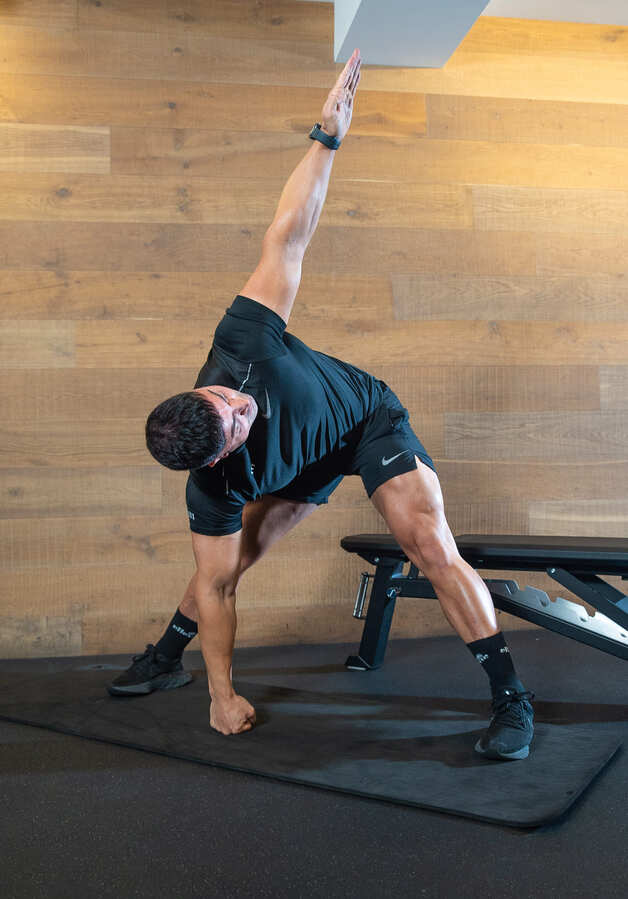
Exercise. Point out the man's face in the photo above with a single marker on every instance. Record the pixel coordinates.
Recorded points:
(237, 412)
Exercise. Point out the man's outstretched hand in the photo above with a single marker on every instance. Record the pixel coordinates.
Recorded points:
(338, 108)
(231, 716)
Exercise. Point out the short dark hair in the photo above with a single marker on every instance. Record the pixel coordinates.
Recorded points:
(185, 432)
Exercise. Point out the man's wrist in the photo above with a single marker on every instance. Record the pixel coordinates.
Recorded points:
(328, 138)
(322, 147)
(222, 693)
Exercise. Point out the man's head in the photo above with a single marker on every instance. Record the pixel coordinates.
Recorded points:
(200, 427)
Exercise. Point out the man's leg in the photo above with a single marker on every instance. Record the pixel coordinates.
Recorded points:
(412, 507)
(183, 626)
(187, 606)
(263, 523)
(159, 667)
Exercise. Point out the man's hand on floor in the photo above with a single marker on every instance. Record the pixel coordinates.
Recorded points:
(232, 716)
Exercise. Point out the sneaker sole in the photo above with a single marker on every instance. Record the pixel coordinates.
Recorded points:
(495, 754)
(161, 682)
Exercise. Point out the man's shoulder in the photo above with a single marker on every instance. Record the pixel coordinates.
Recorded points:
(250, 331)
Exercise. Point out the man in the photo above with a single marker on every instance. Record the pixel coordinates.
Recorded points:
(263, 458)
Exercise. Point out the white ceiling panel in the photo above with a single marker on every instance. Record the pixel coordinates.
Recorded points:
(422, 34)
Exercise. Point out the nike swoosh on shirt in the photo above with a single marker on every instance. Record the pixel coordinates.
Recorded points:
(392, 459)
(268, 412)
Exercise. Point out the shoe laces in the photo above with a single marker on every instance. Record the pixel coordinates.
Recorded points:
(149, 656)
(509, 709)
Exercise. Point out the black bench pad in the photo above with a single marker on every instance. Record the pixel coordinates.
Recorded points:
(599, 555)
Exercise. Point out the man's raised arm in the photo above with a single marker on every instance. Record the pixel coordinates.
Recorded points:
(302, 198)
(276, 280)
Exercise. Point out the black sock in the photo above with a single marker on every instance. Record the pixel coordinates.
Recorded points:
(494, 656)
(177, 636)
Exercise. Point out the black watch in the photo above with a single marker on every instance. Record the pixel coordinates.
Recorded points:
(316, 134)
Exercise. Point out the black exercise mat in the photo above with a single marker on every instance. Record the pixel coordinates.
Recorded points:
(414, 751)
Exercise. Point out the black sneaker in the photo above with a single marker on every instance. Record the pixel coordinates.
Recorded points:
(509, 734)
(150, 671)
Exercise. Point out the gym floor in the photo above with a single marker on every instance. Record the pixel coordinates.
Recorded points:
(96, 820)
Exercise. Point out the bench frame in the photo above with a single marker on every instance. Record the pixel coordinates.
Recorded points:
(607, 630)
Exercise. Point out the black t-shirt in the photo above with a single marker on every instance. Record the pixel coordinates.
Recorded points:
(310, 405)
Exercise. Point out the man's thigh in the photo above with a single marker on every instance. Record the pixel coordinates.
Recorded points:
(265, 521)
(388, 446)
(412, 506)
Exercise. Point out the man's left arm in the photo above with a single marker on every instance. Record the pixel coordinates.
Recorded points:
(276, 280)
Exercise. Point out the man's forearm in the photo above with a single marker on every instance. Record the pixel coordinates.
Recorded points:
(216, 630)
(302, 198)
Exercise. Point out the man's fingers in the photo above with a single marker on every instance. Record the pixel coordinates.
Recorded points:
(343, 94)
(347, 73)
(355, 72)
(350, 69)
(355, 79)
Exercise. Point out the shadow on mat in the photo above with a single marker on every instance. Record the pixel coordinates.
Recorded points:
(322, 731)
(550, 712)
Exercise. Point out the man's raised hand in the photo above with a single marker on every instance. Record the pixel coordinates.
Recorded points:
(338, 108)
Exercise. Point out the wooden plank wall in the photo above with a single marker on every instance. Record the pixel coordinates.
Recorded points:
(472, 252)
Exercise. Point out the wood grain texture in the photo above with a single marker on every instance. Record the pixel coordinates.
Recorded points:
(239, 18)
(581, 254)
(47, 635)
(600, 518)
(149, 344)
(569, 211)
(49, 493)
(570, 436)
(35, 344)
(93, 100)
(614, 387)
(511, 120)
(137, 295)
(498, 57)
(92, 443)
(199, 247)
(40, 13)
(596, 297)
(471, 254)
(532, 481)
(392, 158)
(51, 148)
(484, 388)
(136, 198)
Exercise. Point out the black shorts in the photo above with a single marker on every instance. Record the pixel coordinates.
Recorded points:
(386, 447)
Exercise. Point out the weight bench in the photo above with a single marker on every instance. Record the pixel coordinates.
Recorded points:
(575, 562)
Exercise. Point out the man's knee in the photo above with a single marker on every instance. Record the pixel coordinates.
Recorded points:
(432, 546)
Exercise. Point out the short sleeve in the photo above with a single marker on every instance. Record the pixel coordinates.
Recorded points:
(211, 515)
(250, 331)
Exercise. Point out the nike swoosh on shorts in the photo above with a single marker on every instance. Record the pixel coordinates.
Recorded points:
(392, 459)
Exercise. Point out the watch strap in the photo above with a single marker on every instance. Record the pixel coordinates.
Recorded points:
(316, 134)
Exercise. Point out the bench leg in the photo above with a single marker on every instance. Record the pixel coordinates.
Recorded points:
(378, 618)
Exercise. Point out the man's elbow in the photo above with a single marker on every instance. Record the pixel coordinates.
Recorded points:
(288, 231)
